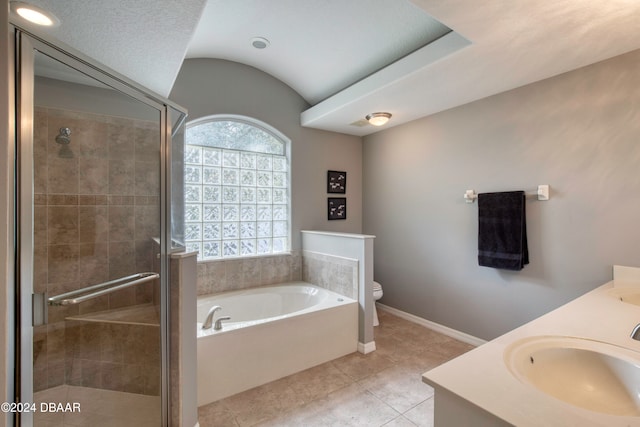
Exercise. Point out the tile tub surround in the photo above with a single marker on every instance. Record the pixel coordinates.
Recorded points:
(242, 273)
(481, 379)
(335, 273)
(330, 272)
(380, 388)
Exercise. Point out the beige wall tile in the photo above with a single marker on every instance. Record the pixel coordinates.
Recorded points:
(121, 223)
(62, 225)
(93, 224)
(62, 175)
(93, 176)
(63, 263)
(92, 265)
(147, 178)
(122, 261)
(121, 177)
(120, 139)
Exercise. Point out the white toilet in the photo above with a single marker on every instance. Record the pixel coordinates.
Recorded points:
(377, 294)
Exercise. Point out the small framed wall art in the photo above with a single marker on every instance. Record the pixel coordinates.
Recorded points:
(336, 182)
(337, 208)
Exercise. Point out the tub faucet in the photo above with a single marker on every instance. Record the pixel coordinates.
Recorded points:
(218, 324)
(636, 332)
(209, 320)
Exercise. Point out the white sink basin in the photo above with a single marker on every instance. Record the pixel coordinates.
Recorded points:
(589, 374)
(630, 295)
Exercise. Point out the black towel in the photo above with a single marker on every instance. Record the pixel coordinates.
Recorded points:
(502, 230)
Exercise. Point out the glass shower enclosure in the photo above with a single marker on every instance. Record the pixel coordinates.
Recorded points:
(93, 239)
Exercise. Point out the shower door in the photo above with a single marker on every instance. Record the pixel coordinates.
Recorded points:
(92, 245)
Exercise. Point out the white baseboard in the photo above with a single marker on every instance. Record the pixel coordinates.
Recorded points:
(366, 348)
(460, 336)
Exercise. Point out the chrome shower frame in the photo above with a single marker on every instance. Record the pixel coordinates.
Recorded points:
(24, 45)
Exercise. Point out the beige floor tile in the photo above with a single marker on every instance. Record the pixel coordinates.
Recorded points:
(399, 387)
(396, 348)
(354, 406)
(451, 348)
(401, 421)
(264, 402)
(311, 415)
(423, 361)
(358, 366)
(422, 414)
(350, 406)
(318, 381)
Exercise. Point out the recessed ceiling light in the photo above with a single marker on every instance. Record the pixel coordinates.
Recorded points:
(34, 14)
(378, 119)
(260, 42)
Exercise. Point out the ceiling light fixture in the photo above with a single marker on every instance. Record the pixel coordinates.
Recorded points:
(260, 42)
(378, 119)
(34, 14)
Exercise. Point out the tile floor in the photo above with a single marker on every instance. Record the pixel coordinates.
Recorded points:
(383, 388)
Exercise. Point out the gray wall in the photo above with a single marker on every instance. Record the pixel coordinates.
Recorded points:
(212, 86)
(578, 132)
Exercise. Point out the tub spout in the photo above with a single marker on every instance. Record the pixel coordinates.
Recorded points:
(218, 324)
(209, 320)
(636, 333)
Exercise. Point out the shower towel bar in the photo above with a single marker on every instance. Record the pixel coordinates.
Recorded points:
(542, 193)
(101, 289)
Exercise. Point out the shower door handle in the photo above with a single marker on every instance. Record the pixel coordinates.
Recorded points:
(94, 291)
(39, 309)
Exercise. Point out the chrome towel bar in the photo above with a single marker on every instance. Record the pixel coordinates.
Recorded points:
(94, 291)
(542, 193)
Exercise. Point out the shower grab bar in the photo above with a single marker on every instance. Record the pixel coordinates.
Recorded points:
(101, 289)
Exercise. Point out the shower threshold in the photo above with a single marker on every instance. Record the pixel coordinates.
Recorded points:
(97, 407)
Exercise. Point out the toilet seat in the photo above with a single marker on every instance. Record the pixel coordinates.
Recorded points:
(377, 291)
(377, 294)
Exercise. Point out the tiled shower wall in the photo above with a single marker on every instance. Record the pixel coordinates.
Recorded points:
(96, 210)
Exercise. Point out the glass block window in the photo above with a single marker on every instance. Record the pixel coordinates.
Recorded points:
(236, 189)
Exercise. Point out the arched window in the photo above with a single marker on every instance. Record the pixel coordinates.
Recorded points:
(236, 175)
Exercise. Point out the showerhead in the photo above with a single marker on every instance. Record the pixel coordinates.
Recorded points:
(64, 137)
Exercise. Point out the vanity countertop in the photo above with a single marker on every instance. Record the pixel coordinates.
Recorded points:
(482, 378)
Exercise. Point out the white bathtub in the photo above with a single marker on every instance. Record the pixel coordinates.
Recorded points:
(274, 331)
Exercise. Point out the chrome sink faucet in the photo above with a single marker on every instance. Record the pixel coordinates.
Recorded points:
(209, 320)
(636, 332)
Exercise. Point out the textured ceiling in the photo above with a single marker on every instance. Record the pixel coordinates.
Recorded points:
(320, 46)
(145, 40)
